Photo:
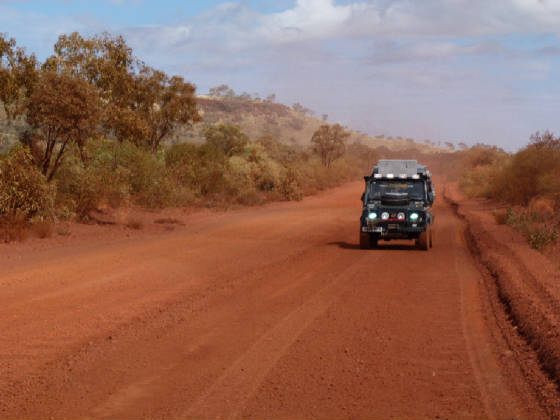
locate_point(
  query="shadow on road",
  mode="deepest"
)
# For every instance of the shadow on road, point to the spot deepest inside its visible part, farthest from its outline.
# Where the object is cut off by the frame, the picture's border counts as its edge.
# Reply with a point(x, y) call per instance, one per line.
point(380, 246)
point(345, 245)
point(400, 247)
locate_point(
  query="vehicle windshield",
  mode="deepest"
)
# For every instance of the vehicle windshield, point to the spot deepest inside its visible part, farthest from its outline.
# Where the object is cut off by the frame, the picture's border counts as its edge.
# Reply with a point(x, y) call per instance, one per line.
point(413, 188)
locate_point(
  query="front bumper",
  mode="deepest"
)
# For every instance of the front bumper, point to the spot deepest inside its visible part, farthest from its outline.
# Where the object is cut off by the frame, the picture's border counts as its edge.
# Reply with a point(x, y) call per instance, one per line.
point(387, 228)
point(394, 227)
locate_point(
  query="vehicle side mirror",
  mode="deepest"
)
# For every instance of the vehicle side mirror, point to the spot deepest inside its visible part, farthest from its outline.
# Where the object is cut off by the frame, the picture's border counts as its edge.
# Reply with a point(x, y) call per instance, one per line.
point(431, 196)
point(363, 196)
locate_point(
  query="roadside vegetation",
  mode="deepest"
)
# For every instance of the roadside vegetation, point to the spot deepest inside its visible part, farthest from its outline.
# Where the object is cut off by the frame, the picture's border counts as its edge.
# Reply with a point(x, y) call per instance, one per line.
point(293, 125)
point(527, 182)
point(96, 129)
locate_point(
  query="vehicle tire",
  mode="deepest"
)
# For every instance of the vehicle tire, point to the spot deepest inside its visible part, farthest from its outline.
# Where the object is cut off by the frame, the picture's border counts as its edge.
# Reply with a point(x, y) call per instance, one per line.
point(365, 240)
point(423, 239)
point(373, 241)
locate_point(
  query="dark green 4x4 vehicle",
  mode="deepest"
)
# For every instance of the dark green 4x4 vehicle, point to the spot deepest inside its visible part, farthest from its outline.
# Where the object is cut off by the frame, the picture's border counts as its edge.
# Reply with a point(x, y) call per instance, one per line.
point(397, 204)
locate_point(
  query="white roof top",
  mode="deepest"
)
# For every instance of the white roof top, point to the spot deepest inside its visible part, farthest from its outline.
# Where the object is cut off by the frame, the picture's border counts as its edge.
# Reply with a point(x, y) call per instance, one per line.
point(397, 167)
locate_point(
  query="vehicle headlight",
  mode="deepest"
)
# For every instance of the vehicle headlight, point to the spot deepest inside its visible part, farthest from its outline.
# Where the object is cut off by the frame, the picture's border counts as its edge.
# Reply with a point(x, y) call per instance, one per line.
point(384, 215)
point(414, 217)
point(400, 216)
point(372, 216)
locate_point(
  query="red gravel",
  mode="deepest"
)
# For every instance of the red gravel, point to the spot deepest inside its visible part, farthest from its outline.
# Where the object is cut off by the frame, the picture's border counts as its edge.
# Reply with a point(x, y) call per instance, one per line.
point(270, 312)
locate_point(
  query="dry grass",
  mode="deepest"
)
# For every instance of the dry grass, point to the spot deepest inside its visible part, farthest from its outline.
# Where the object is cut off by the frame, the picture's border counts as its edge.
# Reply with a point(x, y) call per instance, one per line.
point(250, 198)
point(135, 224)
point(168, 221)
point(42, 229)
point(539, 234)
point(13, 228)
point(500, 216)
point(63, 232)
point(528, 180)
point(115, 200)
point(542, 208)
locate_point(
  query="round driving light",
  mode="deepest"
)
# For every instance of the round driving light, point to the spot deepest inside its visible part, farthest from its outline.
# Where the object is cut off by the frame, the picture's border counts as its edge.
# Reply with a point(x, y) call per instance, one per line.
point(414, 217)
point(400, 216)
point(372, 216)
point(384, 215)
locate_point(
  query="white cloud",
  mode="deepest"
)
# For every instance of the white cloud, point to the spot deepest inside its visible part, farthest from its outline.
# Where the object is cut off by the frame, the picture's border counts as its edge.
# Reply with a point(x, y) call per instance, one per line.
point(309, 19)
point(37, 32)
point(154, 37)
point(459, 69)
point(234, 27)
point(441, 69)
point(544, 11)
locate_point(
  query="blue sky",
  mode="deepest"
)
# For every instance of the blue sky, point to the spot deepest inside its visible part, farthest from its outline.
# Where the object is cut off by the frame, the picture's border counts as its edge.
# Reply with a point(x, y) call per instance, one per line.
point(447, 70)
point(137, 11)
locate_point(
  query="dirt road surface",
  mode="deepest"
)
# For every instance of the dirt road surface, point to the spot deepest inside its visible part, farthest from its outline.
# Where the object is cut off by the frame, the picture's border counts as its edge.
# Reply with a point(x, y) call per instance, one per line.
point(268, 312)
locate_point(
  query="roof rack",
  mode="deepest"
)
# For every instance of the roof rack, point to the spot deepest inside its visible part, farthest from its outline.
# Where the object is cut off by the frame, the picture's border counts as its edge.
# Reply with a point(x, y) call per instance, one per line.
point(400, 169)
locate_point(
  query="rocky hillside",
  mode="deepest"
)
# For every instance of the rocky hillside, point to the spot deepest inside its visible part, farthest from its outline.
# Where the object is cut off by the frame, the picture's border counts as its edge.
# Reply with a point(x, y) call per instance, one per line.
point(261, 117)
point(257, 118)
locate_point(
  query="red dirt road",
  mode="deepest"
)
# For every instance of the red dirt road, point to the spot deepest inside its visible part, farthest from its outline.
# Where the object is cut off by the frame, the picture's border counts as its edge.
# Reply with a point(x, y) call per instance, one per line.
point(267, 312)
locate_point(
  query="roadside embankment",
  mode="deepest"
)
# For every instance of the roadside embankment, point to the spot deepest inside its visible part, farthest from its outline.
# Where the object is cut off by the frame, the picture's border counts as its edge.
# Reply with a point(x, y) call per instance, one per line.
point(528, 284)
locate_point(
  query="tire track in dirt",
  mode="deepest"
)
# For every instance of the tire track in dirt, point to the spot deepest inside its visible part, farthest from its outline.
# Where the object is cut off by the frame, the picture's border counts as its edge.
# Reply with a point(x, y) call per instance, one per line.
point(269, 312)
point(482, 357)
point(524, 307)
point(227, 396)
point(455, 371)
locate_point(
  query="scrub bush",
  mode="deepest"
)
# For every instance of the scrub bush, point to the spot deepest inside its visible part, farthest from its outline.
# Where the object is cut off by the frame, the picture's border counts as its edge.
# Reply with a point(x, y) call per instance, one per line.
point(528, 179)
point(541, 237)
point(43, 229)
point(13, 228)
point(539, 234)
point(24, 191)
point(530, 174)
point(199, 168)
point(290, 186)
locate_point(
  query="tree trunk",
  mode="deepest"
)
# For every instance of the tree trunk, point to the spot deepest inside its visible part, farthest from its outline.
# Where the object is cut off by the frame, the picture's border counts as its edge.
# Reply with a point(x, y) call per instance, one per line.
point(8, 115)
point(57, 161)
point(47, 157)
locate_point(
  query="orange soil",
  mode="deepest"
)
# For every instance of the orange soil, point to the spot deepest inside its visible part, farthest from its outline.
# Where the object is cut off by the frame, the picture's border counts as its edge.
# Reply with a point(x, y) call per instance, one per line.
point(269, 312)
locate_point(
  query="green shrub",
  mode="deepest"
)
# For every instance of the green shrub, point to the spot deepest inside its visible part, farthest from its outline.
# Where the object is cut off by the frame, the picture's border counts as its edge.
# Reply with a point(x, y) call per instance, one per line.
point(24, 191)
point(484, 181)
point(265, 173)
point(13, 228)
point(80, 189)
point(289, 187)
point(517, 179)
point(249, 197)
point(252, 170)
point(114, 173)
point(199, 169)
point(538, 235)
point(482, 155)
point(132, 167)
point(541, 236)
point(228, 138)
point(533, 172)
point(227, 170)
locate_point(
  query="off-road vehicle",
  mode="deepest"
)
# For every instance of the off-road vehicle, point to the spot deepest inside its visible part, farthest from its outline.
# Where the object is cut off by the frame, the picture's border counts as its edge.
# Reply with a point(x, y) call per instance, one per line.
point(397, 204)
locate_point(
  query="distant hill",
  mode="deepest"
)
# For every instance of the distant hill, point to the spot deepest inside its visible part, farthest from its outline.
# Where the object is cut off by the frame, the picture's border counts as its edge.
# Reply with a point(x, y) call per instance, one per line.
point(257, 118)
point(261, 117)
